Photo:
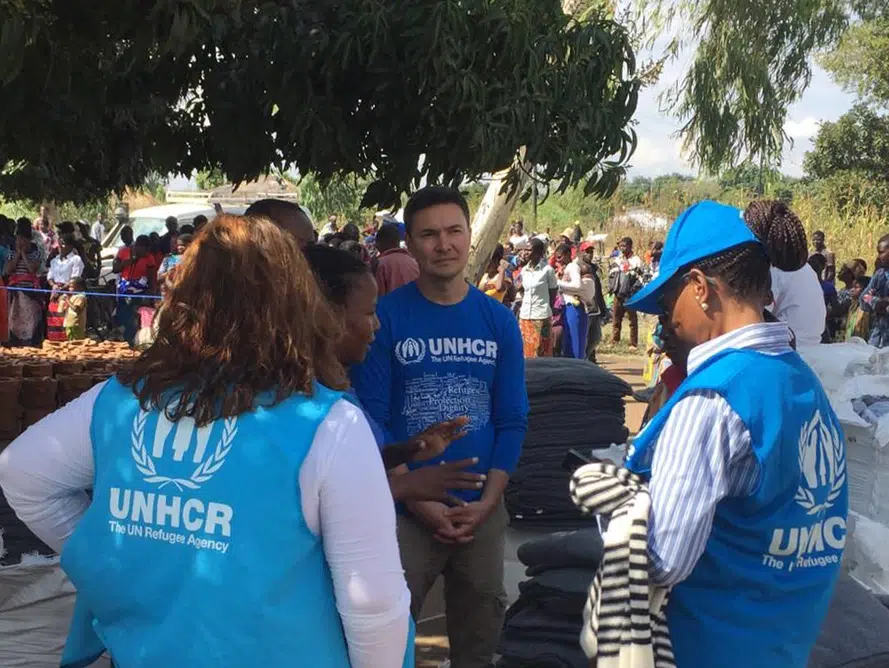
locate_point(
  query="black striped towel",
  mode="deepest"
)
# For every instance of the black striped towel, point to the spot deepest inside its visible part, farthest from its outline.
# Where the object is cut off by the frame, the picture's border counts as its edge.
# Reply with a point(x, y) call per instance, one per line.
point(624, 621)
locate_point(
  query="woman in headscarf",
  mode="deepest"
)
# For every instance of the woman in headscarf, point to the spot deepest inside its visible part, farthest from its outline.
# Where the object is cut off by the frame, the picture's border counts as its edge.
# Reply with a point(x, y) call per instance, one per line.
point(746, 461)
point(246, 518)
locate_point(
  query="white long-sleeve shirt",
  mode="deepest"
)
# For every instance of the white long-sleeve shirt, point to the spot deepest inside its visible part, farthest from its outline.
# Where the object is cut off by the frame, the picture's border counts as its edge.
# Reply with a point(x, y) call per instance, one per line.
point(573, 285)
point(345, 498)
point(702, 455)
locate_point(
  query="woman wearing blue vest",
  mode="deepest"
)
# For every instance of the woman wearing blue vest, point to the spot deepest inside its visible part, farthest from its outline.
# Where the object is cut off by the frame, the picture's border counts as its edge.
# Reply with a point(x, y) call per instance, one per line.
point(240, 513)
point(746, 460)
point(350, 287)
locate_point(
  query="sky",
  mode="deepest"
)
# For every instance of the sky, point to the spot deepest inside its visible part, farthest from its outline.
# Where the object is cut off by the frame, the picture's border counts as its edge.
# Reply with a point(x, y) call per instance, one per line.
point(659, 150)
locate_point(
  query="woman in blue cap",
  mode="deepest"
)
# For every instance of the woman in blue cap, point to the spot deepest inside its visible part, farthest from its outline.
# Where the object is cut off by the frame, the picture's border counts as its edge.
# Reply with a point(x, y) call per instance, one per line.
point(746, 460)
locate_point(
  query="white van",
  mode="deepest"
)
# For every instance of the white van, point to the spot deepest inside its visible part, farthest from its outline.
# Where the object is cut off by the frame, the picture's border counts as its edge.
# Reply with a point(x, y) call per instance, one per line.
point(153, 219)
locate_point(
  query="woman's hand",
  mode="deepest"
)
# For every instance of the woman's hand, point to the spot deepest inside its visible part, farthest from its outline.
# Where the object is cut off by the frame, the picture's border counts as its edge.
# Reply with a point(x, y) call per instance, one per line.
point(435, 483)
point(435, 439)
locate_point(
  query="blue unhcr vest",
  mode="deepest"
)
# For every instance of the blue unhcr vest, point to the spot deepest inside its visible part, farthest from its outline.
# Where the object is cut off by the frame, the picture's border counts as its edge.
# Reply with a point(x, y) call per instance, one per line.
point(760, 591)
point(194, 551)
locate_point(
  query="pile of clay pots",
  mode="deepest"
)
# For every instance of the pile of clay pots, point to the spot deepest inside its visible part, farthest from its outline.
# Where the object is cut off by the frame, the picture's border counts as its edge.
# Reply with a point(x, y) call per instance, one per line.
point(36, 381)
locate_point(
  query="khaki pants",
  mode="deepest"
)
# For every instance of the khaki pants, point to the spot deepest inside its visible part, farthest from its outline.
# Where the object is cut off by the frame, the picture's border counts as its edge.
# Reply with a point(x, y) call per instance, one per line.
point(475, 600)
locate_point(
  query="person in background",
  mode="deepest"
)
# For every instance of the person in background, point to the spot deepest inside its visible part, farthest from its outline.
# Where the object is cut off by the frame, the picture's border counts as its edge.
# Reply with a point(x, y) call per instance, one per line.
point(539, 287)
point(347, 282)
point(517, 233)
point(654, 261)
point(200, 221)
point(126, 237)
point(857, 322)
point(830, 261)
point(168, 240)
point(64, 267)
point(497, 278)
point(351, 233)
point(395, 266)
point(732, 482)
point(797, 295)
point(445, 350)
point(138, 275)
point(7, 249)
point(154, 241)
point(291, 470)
point(833, 322)
point(98, 229)
point(25, 310)
point(624, 279)
point(875, 297)
point(169, 263)
point(47, 234)
point(579, 295)
point(598, 309)
point(286, 215)
point(578, 233)
point(92, 252)
point(331, 227)
point(859, 266)
point(74, 306)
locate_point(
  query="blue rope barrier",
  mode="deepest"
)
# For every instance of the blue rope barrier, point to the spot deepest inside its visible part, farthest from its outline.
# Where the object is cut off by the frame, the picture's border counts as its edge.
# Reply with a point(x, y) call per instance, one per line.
point(112, 295)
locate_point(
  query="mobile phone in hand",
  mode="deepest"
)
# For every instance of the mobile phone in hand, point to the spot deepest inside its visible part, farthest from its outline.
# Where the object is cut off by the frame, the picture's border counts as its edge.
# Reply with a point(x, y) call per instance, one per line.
point(574, 459)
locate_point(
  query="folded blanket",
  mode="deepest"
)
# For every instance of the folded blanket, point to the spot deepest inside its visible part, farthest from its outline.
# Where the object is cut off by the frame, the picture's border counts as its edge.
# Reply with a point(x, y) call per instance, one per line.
point(564, 549)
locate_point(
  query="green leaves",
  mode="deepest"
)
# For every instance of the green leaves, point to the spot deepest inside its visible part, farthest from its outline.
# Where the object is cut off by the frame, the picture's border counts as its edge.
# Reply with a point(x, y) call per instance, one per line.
point(401, 92)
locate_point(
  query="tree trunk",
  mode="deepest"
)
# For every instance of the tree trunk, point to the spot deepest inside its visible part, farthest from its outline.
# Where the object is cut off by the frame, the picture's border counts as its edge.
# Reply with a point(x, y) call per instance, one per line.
point(490, 220)
point(492, 214)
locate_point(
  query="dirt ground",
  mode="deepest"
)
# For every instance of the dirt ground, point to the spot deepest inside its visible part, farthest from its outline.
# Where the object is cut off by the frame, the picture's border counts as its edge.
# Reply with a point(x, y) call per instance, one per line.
point(432, 641)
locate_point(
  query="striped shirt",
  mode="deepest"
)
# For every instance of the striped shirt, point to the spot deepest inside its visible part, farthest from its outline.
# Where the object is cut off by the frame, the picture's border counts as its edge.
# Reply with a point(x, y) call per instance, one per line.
point(702, 455)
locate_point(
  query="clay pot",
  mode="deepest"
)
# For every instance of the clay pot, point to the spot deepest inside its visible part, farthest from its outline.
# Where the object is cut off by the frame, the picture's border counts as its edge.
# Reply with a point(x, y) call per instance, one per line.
point(67, 368)
point(33, 416)
point(10, 389)
point(10, 370)
point(39, 393)
point(79, 382)
point(10, 423)
point(37, 369)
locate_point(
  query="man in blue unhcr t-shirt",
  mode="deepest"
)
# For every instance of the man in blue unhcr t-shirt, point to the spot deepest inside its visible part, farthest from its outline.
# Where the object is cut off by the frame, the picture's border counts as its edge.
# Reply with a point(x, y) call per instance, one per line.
point(446, 350)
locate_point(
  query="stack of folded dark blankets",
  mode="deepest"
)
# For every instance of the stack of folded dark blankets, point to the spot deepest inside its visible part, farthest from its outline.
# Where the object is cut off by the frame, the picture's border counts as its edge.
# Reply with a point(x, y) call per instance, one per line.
point(573, 404)
point(542, 628)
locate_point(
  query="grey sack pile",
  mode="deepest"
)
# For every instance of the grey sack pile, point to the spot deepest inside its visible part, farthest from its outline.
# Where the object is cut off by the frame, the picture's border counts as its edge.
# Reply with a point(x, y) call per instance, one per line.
point(542, 628)
point(573, 404)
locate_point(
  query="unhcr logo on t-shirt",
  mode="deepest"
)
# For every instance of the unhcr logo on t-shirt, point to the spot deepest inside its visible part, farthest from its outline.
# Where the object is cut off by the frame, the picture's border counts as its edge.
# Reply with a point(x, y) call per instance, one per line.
point(446, 349)
point(410, 351)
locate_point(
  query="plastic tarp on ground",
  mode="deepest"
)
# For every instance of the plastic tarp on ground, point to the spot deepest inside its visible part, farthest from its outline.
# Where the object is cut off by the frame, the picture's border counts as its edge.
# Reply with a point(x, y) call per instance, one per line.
point(36, 601)
point(856, 379)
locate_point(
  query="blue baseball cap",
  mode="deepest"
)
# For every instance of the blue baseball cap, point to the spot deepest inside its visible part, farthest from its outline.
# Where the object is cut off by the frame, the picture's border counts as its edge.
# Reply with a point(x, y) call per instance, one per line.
point(702, 230)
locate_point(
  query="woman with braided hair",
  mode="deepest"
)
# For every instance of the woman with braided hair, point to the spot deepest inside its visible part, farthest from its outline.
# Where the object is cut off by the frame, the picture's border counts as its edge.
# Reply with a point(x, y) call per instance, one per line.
point(797, 296)
point(745, 462)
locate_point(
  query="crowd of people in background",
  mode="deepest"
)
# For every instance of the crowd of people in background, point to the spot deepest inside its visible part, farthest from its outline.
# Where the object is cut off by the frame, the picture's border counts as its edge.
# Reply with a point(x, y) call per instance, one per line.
point(561, 289)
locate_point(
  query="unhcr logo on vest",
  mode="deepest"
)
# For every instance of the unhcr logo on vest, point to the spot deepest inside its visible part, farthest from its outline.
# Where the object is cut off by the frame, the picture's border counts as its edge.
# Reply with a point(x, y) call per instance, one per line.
point(178, 458)
point(446, 349)
point(822, 462)
point(184, 430)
